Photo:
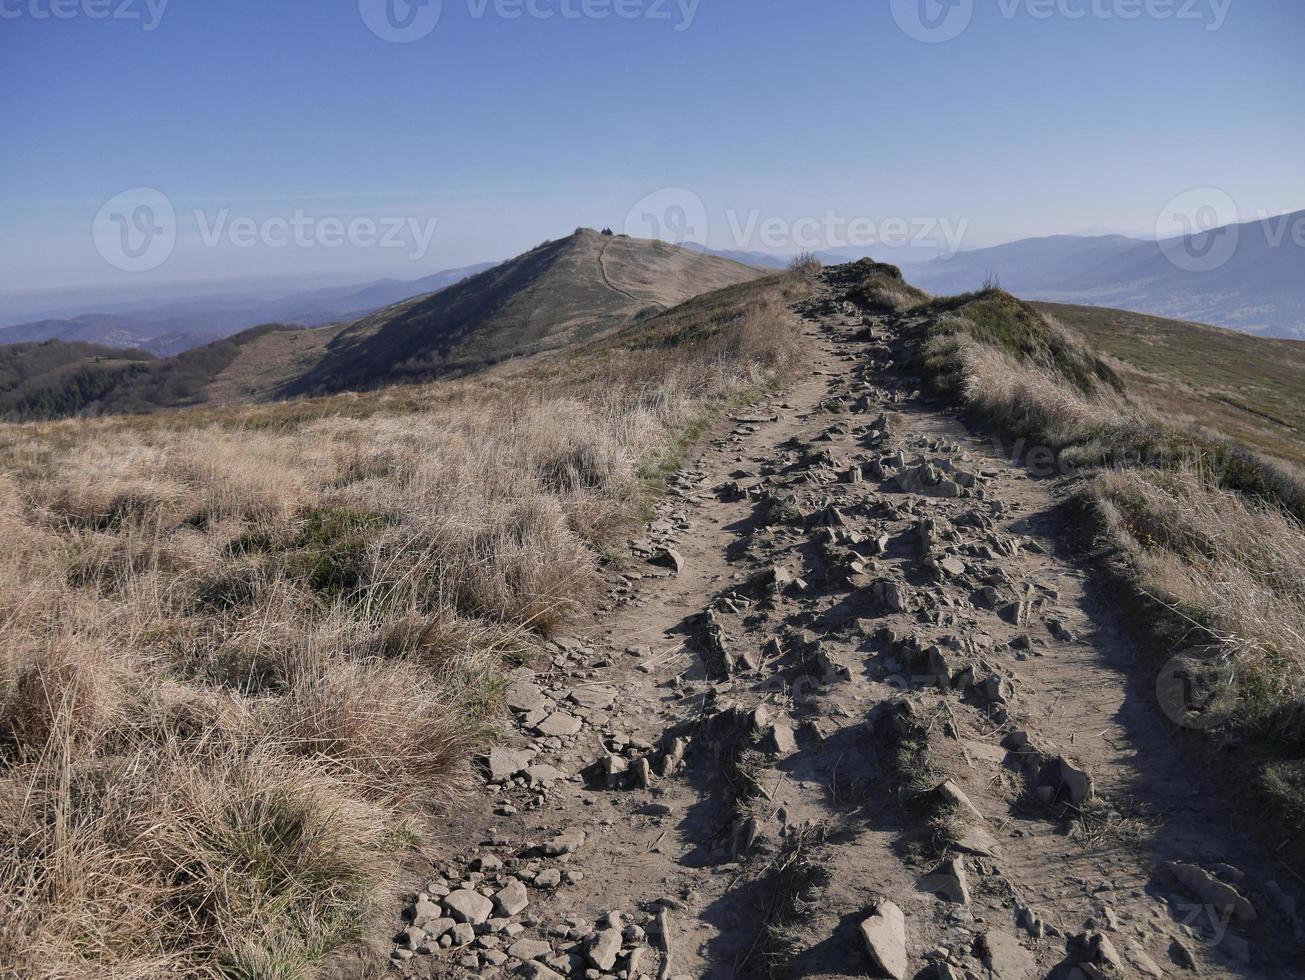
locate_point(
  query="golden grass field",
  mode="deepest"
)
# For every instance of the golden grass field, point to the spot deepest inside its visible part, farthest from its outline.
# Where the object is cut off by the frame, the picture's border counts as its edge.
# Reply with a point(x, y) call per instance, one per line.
point(245, 648)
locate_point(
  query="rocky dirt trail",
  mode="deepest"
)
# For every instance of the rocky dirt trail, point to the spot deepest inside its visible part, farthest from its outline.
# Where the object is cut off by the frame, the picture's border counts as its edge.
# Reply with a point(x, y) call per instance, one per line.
point(850, 712)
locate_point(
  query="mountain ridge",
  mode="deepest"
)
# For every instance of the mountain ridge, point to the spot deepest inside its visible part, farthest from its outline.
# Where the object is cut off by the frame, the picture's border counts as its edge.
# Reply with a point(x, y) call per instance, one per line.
point(1258, 288)
point(572, 289)
point(175, 326)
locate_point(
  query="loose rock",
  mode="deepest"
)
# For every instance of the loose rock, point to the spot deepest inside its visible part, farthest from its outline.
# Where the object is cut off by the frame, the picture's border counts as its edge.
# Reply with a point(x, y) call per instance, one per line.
point(884, 937)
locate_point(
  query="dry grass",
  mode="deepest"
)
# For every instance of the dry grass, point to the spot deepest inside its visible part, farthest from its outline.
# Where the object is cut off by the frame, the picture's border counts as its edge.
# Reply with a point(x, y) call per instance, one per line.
point(241, 649)
point(1231, 566)
point(791, 885)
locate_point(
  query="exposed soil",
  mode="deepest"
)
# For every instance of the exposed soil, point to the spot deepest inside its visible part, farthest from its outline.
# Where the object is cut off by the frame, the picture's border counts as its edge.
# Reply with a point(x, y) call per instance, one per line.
point(892, 688)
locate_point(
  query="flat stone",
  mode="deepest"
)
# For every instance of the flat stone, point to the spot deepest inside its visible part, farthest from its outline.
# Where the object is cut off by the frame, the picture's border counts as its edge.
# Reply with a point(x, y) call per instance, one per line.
point(506, 763)
point(435, 928)
point(529, 949)
point(985, 750)
point(543, 775)
point(1075, 782)
point(1095, 948)
point(511, 899)
point(1211, 890)
point(559, 724)
point(884, 937)
point(525, 696)
point(567, 842)
point(976, 840)
point(1141, 959)
point(537, 971)
point(954, 795)
point(468, 906)
point(424, 911)
point(1004, 957)
point(669, 558)
point(593, 698)
point(949, 881)
point(778, 739)
point(604, 947)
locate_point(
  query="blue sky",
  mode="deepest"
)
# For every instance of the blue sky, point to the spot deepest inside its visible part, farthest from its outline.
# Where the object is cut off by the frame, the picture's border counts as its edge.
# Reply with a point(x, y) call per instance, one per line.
point(504, 131)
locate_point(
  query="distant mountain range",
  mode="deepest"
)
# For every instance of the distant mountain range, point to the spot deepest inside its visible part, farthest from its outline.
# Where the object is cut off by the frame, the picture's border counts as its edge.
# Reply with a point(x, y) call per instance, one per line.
point(1248, 277)
point(1256, 284)
point(174, 327)
point(571, 290)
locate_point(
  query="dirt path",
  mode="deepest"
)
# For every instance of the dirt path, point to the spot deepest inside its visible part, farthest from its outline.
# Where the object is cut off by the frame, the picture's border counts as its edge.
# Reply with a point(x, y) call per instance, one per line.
point(874, 726)
point(607, 280)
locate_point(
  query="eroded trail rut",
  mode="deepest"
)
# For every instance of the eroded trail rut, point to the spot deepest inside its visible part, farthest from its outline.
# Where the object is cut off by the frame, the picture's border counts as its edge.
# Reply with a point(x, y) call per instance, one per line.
point(855, 716)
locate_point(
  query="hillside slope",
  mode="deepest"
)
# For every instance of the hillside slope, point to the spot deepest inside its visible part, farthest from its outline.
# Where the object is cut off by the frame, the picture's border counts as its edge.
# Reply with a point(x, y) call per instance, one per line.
point(37, 380)
point(561, 292)
point(557, 293)
point(168, 328)
point(1248, 388)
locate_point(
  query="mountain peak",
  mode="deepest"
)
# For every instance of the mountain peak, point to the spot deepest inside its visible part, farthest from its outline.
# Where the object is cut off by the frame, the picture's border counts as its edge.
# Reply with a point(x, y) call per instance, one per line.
point(561, 292)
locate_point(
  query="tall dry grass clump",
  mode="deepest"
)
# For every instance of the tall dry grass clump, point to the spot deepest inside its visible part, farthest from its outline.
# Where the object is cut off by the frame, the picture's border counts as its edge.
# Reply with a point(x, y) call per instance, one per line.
point(1230, 566)
point(241, 650)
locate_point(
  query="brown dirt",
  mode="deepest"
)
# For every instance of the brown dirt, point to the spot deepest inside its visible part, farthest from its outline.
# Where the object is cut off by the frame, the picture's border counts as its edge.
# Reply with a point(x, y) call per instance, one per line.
point(1078, 689)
